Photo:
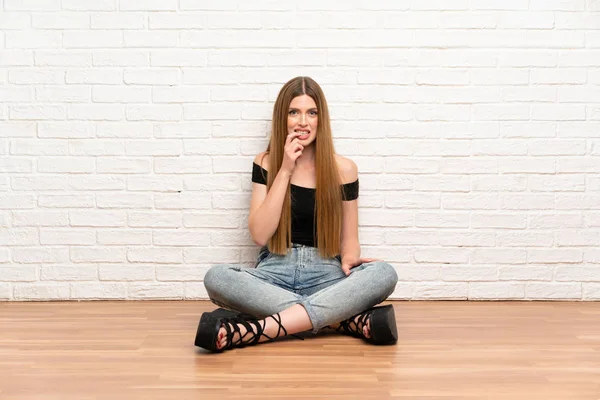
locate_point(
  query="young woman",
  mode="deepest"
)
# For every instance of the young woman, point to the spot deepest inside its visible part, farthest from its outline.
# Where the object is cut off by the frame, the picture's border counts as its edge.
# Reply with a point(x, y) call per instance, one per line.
point(309, 274)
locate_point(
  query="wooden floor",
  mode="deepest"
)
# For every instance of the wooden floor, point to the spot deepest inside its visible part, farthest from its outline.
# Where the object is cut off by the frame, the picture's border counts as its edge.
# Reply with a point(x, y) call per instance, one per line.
point(446, 350)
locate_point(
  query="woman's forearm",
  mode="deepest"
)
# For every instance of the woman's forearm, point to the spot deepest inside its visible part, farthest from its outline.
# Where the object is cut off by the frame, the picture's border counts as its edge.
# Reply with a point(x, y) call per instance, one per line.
point(350, 250)
point(263, 222)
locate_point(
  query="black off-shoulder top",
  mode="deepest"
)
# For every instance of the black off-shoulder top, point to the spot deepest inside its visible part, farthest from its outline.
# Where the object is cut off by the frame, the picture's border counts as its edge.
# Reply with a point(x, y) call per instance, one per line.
point(303, 206)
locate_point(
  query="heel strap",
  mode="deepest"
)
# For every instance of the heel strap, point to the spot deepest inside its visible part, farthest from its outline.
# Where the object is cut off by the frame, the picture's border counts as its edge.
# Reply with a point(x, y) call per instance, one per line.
point(353, 325)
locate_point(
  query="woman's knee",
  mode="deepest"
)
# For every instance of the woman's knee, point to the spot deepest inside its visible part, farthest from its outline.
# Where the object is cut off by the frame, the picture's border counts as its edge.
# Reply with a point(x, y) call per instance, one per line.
point(387, 275)
point(215, 277)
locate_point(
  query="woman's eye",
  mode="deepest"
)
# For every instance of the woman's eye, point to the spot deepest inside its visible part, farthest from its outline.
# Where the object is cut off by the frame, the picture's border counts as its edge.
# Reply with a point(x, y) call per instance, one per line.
point(292, 112)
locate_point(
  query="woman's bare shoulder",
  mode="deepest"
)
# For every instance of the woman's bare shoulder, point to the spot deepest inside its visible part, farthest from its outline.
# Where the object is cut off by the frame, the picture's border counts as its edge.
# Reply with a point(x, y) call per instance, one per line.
point(348, 169)
point(262, 159)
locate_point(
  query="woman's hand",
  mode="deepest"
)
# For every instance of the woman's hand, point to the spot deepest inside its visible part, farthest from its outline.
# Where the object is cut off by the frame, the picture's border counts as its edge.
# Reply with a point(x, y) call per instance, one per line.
point(291, 152)
point(347, 265)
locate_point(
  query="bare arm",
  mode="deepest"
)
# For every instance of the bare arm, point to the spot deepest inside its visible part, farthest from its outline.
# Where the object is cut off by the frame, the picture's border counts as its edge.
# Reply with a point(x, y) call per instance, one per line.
point(350, 246)
point(265, 208)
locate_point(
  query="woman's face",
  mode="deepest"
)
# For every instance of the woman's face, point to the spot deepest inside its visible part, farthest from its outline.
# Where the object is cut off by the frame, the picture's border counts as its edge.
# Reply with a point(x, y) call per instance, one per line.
point(303, 117)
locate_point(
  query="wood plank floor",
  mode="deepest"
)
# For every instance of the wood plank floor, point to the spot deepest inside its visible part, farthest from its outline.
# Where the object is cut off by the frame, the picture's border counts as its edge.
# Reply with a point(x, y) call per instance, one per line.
point(446, 350)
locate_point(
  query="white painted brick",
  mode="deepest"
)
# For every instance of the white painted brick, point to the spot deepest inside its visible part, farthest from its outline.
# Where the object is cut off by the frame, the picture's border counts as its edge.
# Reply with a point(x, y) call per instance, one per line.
point(195, 291)
point(439, 291)
point(17, 94)
point(178, 58)
point(232, 164)
point(560, 76)
point(120, 58)
point(212, 255)
point(153, 76)
point(498, 256)
point(181, 273)
point(592, 219)
point(154, 184)
point(89, 5)
point(148, 5)
point(498, 221)
point(469, 274)
point(15, 20)
point(43, 254)
point(526, 202)
point(193, 130)
point(230, 237)
point(591, 291)
point(39, 147)
point(38, 112)
point(220, 58)
point(506, 183)
point(126, 272)
point(529, 94)
point(181, 94)
point(442, 255)
point(182, 165)
point(518, 129)
point(63, 59)
point(153, 148)
point(66, 201)
point(100, 76)
point(97, 218)
point(156, 291)
point(72, 165)
point(100, 291)
point(410, 238)
point(553, 290)
point(14, 58)
point(111, 94)
point(499, 148)
point(92, 39)
point(6, 291)
point(63, 94)
point(557, 183)
point(525, 239)
point(467, 239)
point(466, 201)
point(111, 20)
point(96, 147)
point(557, 148)
point(123, 237)
point(531, 165)
point(554, 255)
point(124, 129)
point(155, 219)
point(80, 254)
point(233, 201)
point(155, 255)
point(577, 165)
point(149, 39)
point(18, 165)
point(496, 291)
point(529, 273)
point(218, 111)
point(34, 39)
point(161, 112)
point(39, 183)
point(66, 130)
point(555, 220)
point(571, 238)
point(210, 76)
point(21, 273)
point(577, 202)
point(209, 183)
point(67, 236)
point(592, 256)
point(40, 218)
point(42, 291)
point(118, 165)
point(181, 201)
point(571, 20)
point(187, 20)
point(96, 112)
point(69, 273)
point(123, 200)
point(569, 273)
point(402, 165)
point(551, 112)
point(557, 5)
point(211, 220)
point(63, 20)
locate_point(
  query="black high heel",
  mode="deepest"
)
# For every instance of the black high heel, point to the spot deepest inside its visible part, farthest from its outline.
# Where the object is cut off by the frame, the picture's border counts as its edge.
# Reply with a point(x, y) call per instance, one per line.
point(382, 325)
point(210, 324)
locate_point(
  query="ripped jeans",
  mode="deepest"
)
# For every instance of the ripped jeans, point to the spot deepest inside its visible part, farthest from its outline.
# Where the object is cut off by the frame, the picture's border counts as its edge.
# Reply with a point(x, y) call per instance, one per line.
point(303, 277)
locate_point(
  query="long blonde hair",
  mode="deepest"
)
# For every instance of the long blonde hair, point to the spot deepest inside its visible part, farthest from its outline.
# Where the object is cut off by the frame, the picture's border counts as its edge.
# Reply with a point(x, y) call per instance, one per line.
point(328, 196)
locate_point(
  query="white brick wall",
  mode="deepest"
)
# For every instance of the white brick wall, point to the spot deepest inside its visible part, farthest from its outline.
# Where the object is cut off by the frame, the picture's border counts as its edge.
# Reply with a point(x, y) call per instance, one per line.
point(128, 128)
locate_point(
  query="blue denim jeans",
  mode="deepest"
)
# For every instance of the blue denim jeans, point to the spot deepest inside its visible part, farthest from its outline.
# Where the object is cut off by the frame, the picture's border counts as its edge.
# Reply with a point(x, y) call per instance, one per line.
point(303, 277)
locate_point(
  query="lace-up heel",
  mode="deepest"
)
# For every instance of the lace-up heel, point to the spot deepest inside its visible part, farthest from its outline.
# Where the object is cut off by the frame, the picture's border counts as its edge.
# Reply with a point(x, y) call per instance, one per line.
point(382, 325)
point(210, 324)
